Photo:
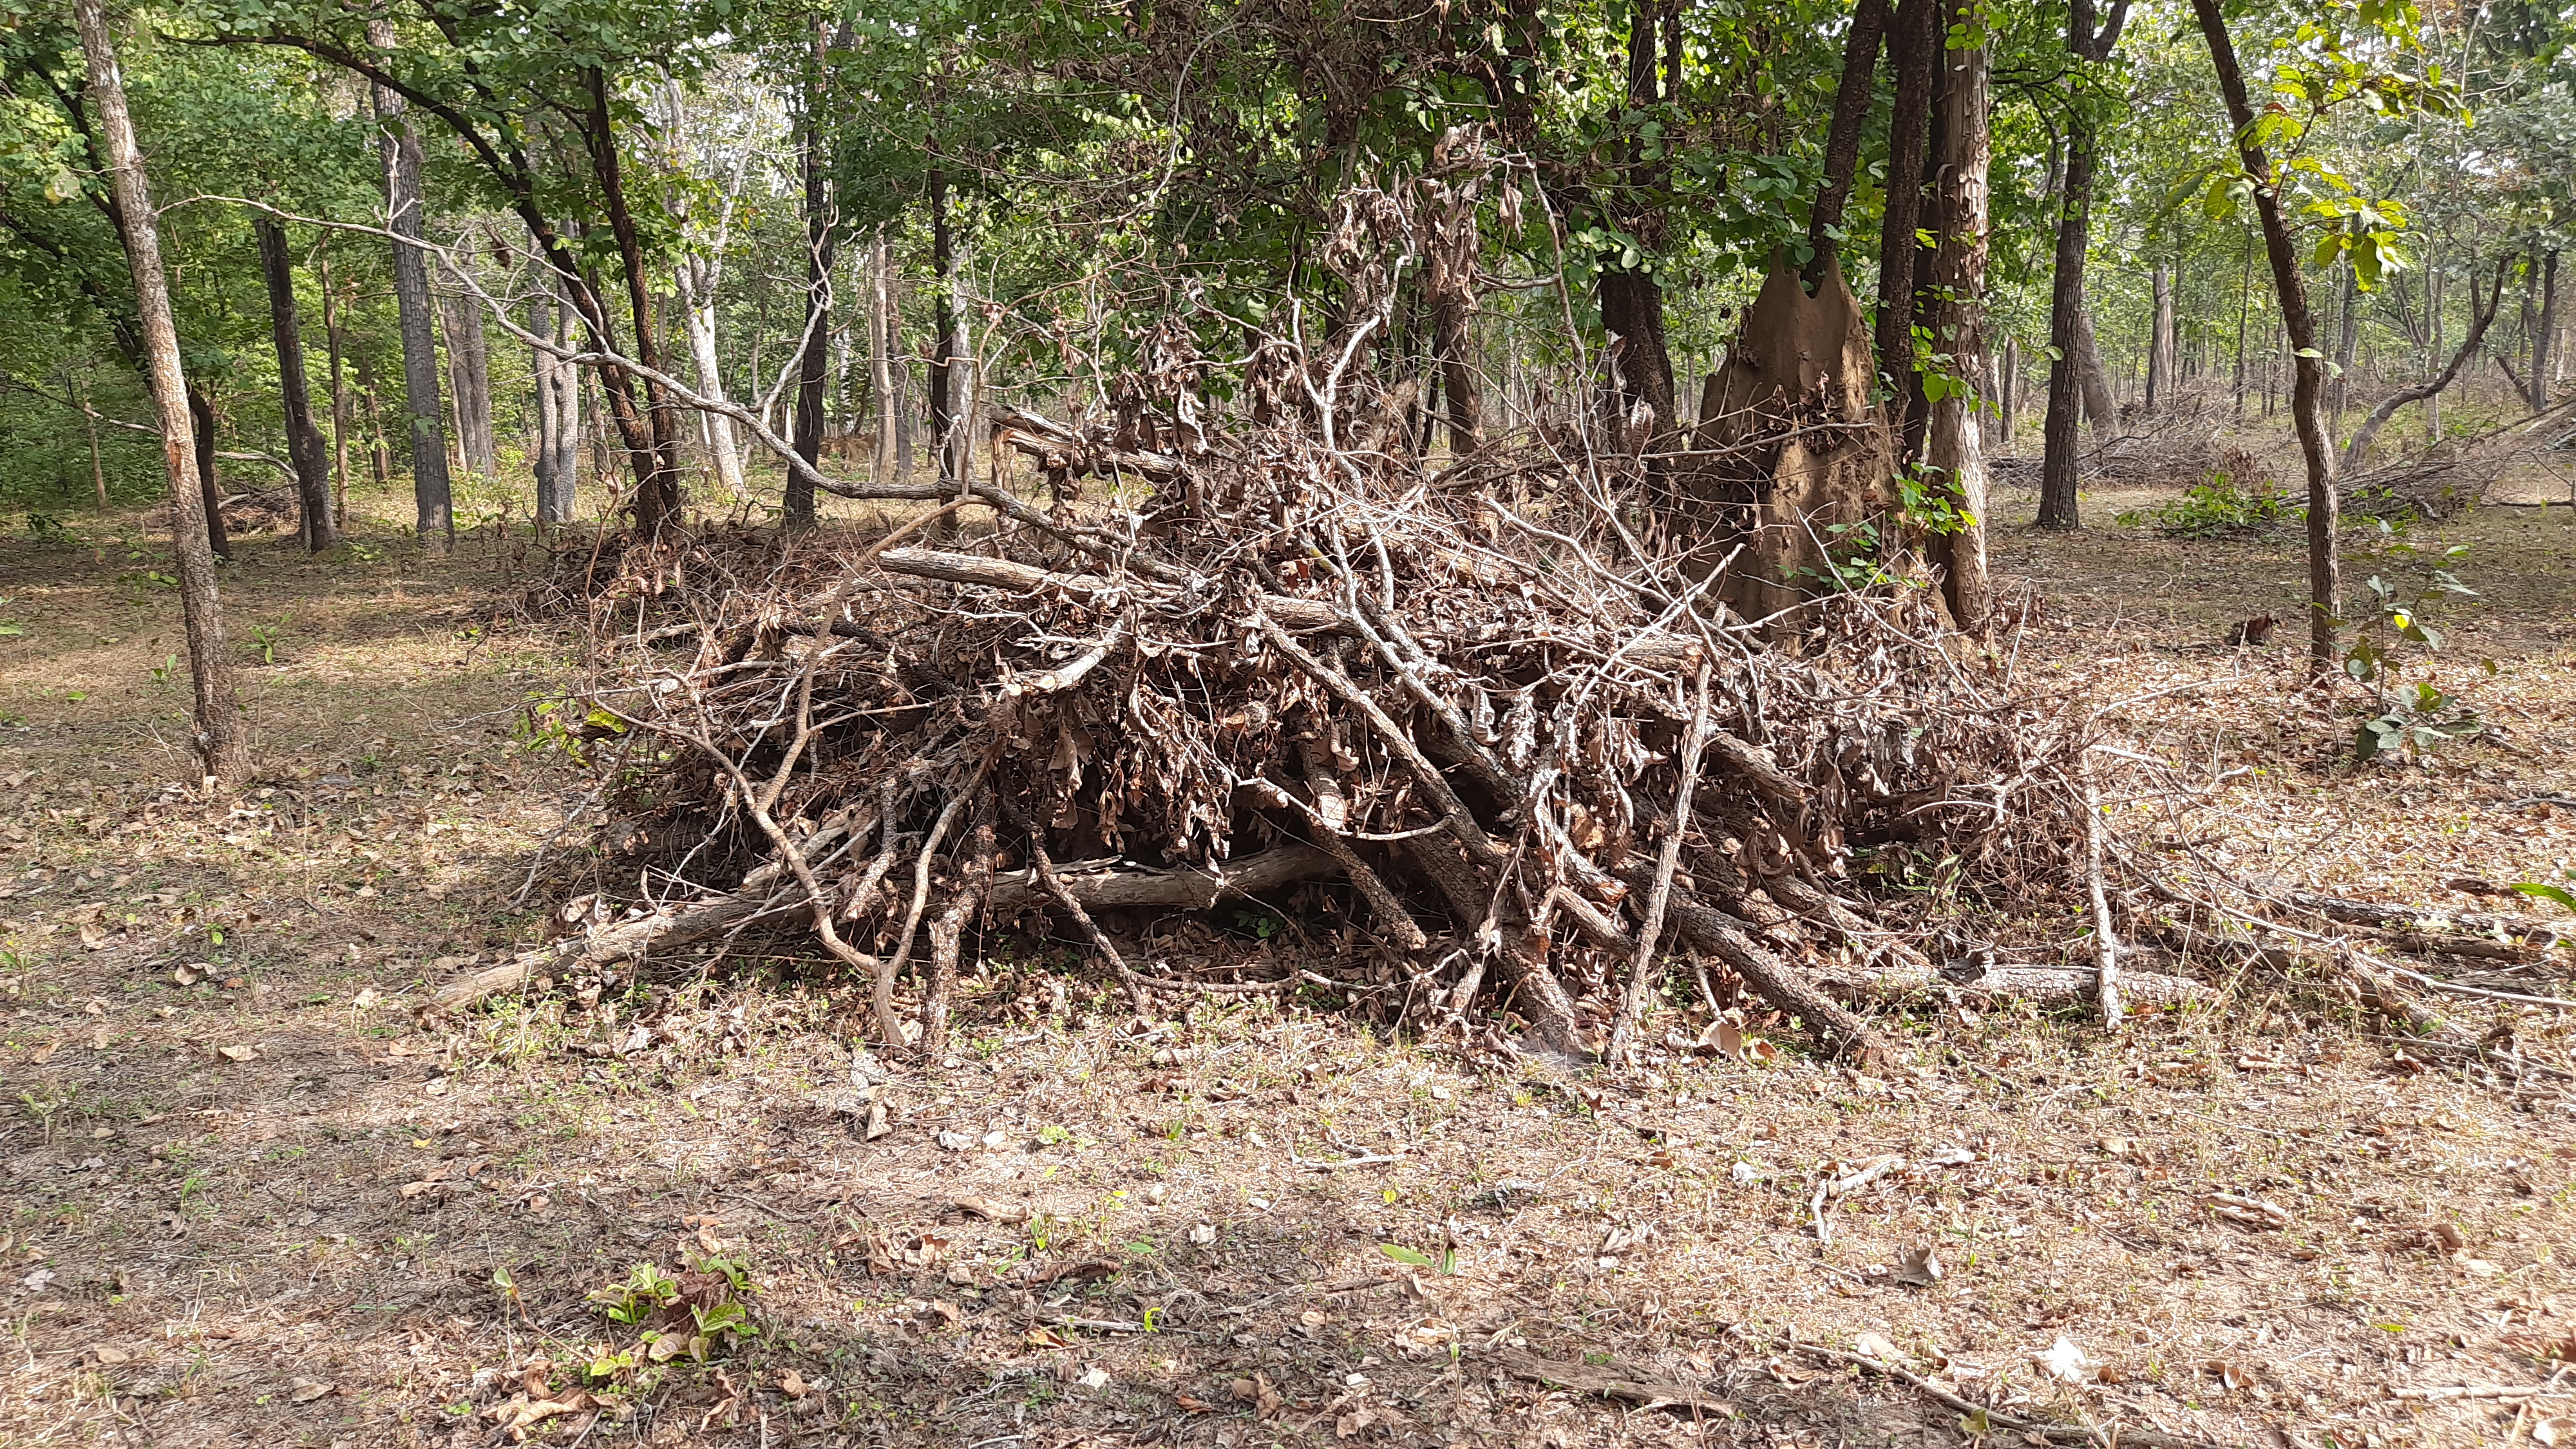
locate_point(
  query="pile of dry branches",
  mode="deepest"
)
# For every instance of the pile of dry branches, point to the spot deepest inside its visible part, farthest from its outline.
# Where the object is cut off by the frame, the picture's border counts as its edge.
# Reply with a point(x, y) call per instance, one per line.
point(1538, 764)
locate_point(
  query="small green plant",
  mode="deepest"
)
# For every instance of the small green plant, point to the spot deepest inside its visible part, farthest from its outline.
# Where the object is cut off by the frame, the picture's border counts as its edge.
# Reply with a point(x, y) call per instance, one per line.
point(10, 628)
point(2217, 508)
point(696, 1312)
point(162, 672)
point(1260, 925)
point(264, 639)
point(365, 552)
point(2413, 718)
point(48, 529)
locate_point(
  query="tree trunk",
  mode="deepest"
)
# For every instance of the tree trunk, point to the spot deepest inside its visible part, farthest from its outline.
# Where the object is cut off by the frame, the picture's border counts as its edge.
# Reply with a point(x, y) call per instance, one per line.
point(222, 751)
point(2433, 324)
point(652, 441)
point(1853, 99)
point(469, 377)
point(814, 353)
point(1632, 299)
point(2010, 386)
point(305, 448)
point(424, 430)
point(558, 454)
point(698, 316)
point(1958, 216)
point(2347, 342)
point(2547, 331)
point(339, 388)
point(1914, 42)
point(380, 461)
point(201, 432)
point(2325, 583)
point(881, 359)
point(957, 453)
point(2160, 342)
point(2100, 409)
point(942, 302)
point(97, 466)
point(2060, 432)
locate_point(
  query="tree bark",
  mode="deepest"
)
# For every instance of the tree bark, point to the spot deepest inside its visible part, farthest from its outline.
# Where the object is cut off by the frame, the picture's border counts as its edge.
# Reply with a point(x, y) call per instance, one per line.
point(2347, 341)
point(305, 448)
point(380, 462)
point(1852, 102)
point(222, 751)
point(815, 354)
point(558, 455)
point(1959, 206)
point(426, 433)
point(2100, 409)
point(2325, 581)
point(1914, 41)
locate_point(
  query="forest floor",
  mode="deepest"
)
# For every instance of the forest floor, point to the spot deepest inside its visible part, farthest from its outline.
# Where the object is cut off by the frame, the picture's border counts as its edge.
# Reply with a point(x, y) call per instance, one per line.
point(249, 1198)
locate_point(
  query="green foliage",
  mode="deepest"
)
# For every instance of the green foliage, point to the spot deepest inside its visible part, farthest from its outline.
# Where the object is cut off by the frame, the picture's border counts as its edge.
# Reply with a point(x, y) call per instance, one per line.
point(2217, 508)
point(2410, 719)
point(2550, 891)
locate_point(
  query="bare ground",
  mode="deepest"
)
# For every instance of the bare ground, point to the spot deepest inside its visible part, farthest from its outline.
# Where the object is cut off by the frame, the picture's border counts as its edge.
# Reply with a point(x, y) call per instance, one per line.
point(249, 1198)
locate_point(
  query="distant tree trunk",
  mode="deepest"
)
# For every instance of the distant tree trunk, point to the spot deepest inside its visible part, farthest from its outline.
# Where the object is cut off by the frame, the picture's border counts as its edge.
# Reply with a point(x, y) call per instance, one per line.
point(2160, 342)
point(1632, 299)
point(2060, 432)
point(2011, 379)
point(881, 358)
point(304, 445)
point(943, 419)
point(2099, 408)
point(469, 376)
point(1914, 42)
point(2325, 582)
point(1958, 208)
point(222, 751)
point(557, 462)
point(2347, 342)
point(89, 415)
point(652, 441)
point(1853, 99)
point(2433, 325)
point(1450, 252)
point(339, 388)
point(815, 353)
point(380, 461)
point(957, 452)
point(2429, 391)
point(2546, 332)
point(425, 431)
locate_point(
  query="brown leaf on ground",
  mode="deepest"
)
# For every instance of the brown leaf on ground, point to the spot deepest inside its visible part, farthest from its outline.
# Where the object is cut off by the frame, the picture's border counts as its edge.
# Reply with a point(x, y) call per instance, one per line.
point(994, 1212)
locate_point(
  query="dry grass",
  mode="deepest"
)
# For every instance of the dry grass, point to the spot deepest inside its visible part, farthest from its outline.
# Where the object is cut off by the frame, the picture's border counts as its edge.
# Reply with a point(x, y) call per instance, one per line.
point(410, 1222)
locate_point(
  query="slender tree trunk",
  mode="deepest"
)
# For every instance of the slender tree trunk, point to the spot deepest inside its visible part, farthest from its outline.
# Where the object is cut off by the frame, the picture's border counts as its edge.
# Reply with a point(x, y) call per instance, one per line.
point(652, 440)
point(881, 360)
point(2547, 331)
point(222, 751)
point(812, 360)
point(202, 432)
point(2060, 438)
point(305, 448)
point(469, 375)
point(424, 430)
point(2160, 342)
point(2325, 583)
point(1958, 208)
point(1914, 50)
point(1853, 98)
point(2347, 342)
point(957, 454)
point(698, 315)
point(339, 388)
point(943, 418)
point(2430, 391)
point(380, 461)
point(2433, 302)
point(89, 416)
point(568, 393)
point(2011, 379)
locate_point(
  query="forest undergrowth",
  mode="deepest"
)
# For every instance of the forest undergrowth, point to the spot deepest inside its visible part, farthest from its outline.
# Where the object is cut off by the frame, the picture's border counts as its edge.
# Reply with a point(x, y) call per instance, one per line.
point(255, 1194)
